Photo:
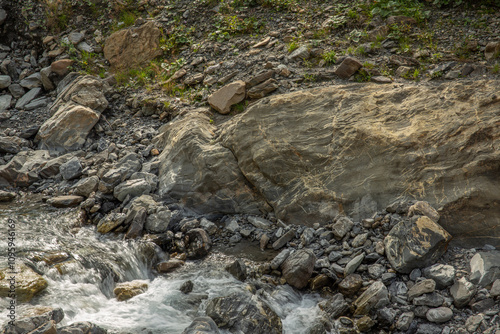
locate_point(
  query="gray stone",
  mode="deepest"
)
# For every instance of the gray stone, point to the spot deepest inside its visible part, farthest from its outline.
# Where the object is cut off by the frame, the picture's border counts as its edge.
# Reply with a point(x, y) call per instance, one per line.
point(240, 313)
point(259, 222)
point(16, 90)
point(376, 270)
point(307, 236)
point(415, 243)
point(75, 37)
point(359, 240)
point(110, 222)
point(36, 103)
point(485, 268)
point(285, 238)
point(425, 286)
point(6, 196)
point(298, 267)
point(3, 16)
point(462, 292)
point(23, 101)
point(202, 325)
point(9, 145)
point(132, 188)
point(5, 81)
point(210, 227)
point(301, 53)
point(263, 89)
point(33, 81)
point(84, 46)
point(21, 170)
point(280, 258)
point(404, 321)
point(376, 296)
point(472, 323)
point(334, 306)
point(150, 178)
point(353, 264)
point(5, 101)
point(443, 275)
point(495, 289)
point(86, 186)
point(47, 83)
point(429, 299)
point(226, 96)
point(238, 269)
point(428, 329)
point(342, 226)
point(71, 169)
point(198, 243)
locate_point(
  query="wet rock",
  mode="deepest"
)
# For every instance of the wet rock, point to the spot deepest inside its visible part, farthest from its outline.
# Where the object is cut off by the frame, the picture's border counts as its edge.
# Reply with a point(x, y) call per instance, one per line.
point(225, 97)
point(298, 268)
point(126, 290)
point(132, 188)
point(334, 306)
point(485, 268)
point(245, 314)
point(462, 292)
point(238, 269)
point(284, 239)
point(375, 296)
point(47, 328)
point(67, 129)
point(202, 325)
point(27, 98)
point(110, 222)
point(82, 328)
point(6, 196)
point(129, 48)
point(263, 89)
point(350, 284)
point(71, 169)
point(416, 243)
point(67, 201)
point(186, 287)
point(86, 186)
point(348, 67)
point(198, 243)
point(27, 283)
point(136, 220)
point(170, 265)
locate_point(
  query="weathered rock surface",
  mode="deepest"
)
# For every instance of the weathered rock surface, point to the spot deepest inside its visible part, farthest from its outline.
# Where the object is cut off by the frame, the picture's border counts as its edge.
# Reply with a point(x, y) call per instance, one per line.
point(128, 48)
point(348, 67)
point(202, 325)
point(245, 314)
point(462, 292)
point(375, 296)
point(65, 201)
point(225, 97)
point(298, 267)
point(308, 151)
point(416, 243)
point(201, 173)
point(21, 171)
point(27, 283)
point(485, 268)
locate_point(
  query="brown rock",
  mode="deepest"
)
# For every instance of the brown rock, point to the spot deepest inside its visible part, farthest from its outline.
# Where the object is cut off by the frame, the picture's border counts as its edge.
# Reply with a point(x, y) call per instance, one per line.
point(260, 78)
point(126, 290)
point(351, 284)
point(60, 67)
point(128, 48)
point(425, 209)
point(263, 89)
point(170, 265)
point(224, 98)
point(65, 201)
point(262, 43)
point(28, 283)
point(492, 50)
point(348, 67)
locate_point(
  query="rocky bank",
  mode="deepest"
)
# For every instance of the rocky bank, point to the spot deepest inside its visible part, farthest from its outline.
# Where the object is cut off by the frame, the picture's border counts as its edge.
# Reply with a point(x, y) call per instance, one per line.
point(368, 192)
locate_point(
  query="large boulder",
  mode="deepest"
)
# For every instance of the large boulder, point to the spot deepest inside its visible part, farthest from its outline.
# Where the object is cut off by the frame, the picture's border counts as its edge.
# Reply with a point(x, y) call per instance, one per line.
point(244, 314)
point(128, 48)
point(298, 267)
point(200, 172)
point(309, 152)
point(27, 283)
point(416, 243)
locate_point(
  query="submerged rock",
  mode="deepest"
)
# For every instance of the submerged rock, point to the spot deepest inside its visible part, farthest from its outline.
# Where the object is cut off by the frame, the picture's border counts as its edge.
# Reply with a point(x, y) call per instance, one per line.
point(202, 325)
point(243, 313)
point(126, 290)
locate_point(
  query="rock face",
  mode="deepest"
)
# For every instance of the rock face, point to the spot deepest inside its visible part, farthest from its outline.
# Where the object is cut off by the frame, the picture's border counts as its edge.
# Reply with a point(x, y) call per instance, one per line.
point(128, 48)
point(417, 243)
point(200, 172)
point(244, 314)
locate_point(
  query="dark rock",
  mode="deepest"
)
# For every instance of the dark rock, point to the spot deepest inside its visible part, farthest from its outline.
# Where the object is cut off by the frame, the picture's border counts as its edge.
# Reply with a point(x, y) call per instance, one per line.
point(485, 268)
point(284, 239)
point(462, 292)
point(198, 243)
point(263, 89)
point(242, 313)
point(202, 325)
point(416, 243)
point(82, 328)
point(348, 67)
point(375, 296)
point(71, 169)
point(298, 268)
point(335, 306)
point(238, 269)
point(186, 287)
point(6, 196)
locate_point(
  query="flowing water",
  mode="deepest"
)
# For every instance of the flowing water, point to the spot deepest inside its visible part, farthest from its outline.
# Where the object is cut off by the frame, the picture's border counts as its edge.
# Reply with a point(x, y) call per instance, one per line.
point(82, 285)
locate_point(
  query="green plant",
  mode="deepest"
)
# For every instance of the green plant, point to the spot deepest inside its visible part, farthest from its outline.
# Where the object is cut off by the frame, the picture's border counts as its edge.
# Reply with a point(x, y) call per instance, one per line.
point(496, 68)
point(363, 76)
point(292, 46)
point(179, 35)
point(227, 26)
point(360, 51)
point(279, 5)
point(330, 57)
point(385, 8)
point(309, 77)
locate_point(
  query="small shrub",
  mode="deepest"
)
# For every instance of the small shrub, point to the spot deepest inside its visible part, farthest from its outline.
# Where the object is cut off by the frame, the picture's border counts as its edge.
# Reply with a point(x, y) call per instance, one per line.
point(330, 57)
